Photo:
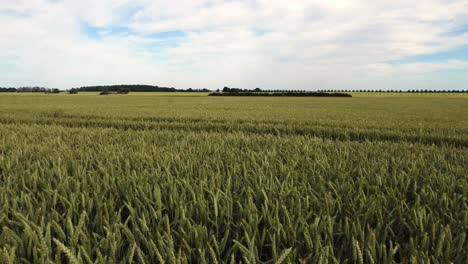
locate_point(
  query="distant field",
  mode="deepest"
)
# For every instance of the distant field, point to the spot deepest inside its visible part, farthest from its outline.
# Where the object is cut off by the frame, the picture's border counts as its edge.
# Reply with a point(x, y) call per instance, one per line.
point(153, 177)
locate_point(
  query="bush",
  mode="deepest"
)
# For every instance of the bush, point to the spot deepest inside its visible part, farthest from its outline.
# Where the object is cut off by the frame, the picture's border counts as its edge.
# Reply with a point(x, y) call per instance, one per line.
point(104, 91)
point(73, 91)
point(123, 91)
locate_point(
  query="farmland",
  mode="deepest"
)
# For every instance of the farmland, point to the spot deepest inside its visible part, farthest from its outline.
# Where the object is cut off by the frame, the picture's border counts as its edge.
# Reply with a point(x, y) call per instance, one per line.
point(151, 178)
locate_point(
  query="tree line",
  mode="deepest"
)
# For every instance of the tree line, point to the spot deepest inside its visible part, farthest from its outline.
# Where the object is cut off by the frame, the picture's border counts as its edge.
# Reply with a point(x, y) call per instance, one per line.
point(123, 88)
point(136, 88)
point(34, 89)
point(153, 88)
point(257, 90)
point(393, 91)
point(287, 94)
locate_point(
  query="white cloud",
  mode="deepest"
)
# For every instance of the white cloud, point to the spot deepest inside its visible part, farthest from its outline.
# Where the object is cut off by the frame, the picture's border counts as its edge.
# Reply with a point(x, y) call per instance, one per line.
point(298, 44)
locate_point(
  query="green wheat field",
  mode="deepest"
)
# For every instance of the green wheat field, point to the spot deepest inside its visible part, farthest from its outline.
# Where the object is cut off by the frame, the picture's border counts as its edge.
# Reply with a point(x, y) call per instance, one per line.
point(163, 178)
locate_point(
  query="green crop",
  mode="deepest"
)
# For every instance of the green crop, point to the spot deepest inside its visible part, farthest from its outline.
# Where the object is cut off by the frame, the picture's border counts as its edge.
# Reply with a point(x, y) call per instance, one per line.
point(148, 179)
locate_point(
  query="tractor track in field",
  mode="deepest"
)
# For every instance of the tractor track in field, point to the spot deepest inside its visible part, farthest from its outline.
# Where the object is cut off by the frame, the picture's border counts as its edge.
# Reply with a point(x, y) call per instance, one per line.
point(324, 132)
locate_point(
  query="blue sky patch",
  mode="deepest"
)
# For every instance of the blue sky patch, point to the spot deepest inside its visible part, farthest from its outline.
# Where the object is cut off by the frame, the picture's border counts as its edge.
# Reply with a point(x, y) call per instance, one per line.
point(261, 31)
point(457, 54)
point(458, 31)
point(98, 33)
point(14, 13)
point(160, 46)
point(164, 40)
point(168, 35)
point(90, 31)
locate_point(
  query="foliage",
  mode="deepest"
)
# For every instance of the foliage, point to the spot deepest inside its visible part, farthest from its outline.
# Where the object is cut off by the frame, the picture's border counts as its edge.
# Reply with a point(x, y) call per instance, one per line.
point(73, 91)
point(148, 179)
point(288, 94)
point(34, 89)
point(53, 91)
point(123, 90)
point(104, 91)
point(258, 90)
point(138, 88)
point(392, 91)
point(7, 90)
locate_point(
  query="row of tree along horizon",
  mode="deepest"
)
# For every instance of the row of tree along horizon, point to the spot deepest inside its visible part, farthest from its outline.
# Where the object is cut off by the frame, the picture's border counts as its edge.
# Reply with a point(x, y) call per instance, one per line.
point(153, 88)
point(29, 90)
point(109, 88)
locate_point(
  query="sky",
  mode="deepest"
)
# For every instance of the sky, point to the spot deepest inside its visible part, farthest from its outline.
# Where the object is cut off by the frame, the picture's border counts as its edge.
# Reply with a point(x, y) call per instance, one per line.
point(271, 44)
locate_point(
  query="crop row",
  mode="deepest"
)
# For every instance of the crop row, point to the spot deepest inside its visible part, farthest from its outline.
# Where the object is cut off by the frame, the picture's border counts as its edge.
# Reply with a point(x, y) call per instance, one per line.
point(447, 136)
point(81, 194)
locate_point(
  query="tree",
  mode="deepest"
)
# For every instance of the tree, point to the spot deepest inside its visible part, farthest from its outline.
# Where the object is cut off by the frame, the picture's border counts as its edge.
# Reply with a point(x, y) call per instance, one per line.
point(104, 91)
point(123, 91)
point(73, 91)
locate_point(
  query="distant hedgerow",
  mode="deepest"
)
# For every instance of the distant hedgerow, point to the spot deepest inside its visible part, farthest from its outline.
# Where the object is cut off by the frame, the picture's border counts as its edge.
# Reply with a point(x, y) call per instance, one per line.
point(286, 94)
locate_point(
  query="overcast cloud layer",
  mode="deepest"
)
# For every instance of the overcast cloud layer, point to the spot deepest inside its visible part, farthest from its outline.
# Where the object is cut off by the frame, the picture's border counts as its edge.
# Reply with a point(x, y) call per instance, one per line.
point(273, 44)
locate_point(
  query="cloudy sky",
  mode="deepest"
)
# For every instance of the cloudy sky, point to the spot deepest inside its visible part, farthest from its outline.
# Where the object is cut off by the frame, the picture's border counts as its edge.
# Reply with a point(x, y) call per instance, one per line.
point(273, 44)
